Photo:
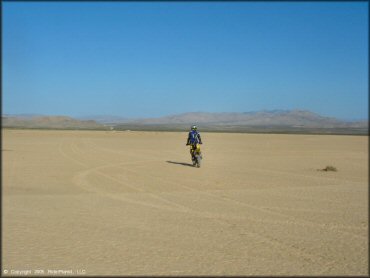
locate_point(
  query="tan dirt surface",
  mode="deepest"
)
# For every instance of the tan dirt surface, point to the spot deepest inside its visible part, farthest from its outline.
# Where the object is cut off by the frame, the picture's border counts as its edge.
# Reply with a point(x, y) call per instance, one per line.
point(130, 203)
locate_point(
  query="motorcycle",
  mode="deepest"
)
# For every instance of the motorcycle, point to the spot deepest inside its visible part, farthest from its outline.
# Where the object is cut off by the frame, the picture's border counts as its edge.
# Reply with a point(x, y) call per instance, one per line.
point(196, 155)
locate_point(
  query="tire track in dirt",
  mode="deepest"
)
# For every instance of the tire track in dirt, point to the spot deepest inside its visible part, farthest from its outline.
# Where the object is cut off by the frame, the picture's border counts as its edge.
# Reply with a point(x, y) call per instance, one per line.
point(293, 220)
point(221, 219)
point(300, 198)
point(94, 146)
point(274, 242)
point(81, 180)
point(74, 150)
point(69, 157)
point(288, 218)
point(82, 176)
point(224, 220)
point(155, 196)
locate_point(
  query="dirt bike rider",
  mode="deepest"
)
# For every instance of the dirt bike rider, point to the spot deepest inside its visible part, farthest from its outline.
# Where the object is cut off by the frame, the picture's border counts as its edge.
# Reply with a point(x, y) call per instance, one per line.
point(193, 139)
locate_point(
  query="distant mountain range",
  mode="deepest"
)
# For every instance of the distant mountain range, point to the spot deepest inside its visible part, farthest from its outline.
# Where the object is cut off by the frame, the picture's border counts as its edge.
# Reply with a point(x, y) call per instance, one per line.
point(258, 118)
point(106, 119)
point(47, 122)
point(273, 119)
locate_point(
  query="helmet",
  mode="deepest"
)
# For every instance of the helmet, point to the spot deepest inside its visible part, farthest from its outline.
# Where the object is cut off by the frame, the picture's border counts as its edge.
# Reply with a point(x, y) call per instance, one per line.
point(194, 127)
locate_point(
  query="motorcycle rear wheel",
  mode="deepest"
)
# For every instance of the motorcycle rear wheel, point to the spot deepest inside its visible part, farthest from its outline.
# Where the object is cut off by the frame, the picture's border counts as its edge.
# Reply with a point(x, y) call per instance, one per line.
point(198, 160)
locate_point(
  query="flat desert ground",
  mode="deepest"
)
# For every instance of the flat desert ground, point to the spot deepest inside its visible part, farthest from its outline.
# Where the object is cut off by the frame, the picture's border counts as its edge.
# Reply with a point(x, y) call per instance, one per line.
point(129, 203)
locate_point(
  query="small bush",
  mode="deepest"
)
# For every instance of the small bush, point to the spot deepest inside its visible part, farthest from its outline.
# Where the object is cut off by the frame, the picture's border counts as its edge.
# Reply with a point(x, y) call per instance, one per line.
point(329, 168)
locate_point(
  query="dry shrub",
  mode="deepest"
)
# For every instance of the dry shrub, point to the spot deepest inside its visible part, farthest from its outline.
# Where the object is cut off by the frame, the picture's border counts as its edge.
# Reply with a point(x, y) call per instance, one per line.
point(329, 168)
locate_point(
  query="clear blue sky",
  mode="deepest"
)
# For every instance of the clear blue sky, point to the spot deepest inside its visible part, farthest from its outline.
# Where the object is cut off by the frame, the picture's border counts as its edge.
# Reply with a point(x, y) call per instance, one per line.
point(153, 59)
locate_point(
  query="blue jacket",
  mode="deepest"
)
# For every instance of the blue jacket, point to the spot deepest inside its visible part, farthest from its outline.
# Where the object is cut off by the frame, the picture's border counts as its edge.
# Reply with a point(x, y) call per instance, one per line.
point(194, 138)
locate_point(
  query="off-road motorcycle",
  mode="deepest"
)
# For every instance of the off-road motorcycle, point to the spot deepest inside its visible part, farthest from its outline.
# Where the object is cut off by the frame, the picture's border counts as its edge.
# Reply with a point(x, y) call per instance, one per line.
point(196, 155)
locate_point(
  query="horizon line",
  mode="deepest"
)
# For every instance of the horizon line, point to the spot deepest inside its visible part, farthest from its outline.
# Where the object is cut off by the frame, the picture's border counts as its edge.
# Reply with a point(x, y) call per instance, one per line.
point(173, 114)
